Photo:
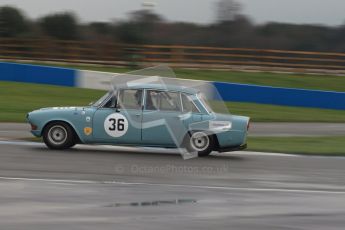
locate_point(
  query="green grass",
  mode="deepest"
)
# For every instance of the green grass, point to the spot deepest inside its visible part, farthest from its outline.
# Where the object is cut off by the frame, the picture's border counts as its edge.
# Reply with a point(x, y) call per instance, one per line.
point(306, 81)
point(273, 113)
point(319, 82)
point(327, 146)
point(17, 99)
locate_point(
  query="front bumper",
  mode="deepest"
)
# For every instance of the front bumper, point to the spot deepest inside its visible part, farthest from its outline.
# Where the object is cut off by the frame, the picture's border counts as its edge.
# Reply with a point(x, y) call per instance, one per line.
point(36, 133)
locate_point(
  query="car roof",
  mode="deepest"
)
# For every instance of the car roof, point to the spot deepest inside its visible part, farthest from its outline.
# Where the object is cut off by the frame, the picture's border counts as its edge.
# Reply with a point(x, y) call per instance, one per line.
point(178, 88)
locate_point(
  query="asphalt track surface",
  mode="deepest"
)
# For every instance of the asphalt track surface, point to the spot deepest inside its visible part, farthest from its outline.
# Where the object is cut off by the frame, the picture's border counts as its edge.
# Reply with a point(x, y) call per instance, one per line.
point(99, 187)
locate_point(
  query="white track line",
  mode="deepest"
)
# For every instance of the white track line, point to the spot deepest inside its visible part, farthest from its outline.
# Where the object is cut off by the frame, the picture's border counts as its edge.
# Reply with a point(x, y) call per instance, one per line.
point(248, 189)
point(21, 143)
point(11, 131)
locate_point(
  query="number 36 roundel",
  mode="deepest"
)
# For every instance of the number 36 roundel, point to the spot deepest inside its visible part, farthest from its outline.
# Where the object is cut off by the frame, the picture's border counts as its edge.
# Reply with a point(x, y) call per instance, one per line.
point(116, 125)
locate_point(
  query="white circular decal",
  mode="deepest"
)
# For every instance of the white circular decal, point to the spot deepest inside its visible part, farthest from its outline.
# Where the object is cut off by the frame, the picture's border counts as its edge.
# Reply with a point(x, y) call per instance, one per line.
point(116, 125)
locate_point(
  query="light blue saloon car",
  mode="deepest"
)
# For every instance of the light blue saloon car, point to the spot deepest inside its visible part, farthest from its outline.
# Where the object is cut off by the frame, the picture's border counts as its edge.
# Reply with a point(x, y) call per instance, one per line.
point(143, 115)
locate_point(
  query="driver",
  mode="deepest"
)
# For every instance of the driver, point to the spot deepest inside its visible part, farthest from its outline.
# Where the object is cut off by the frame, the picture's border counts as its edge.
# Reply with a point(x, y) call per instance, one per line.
point(138, 97)
point(149, 100)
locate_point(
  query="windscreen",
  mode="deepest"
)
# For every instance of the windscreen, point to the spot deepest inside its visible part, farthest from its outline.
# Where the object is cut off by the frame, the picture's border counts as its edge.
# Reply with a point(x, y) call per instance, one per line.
point(100, 101)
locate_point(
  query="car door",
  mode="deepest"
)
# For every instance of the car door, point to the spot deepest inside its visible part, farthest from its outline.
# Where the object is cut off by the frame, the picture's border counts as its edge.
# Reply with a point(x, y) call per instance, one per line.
point(162, 118)
point(120, 124)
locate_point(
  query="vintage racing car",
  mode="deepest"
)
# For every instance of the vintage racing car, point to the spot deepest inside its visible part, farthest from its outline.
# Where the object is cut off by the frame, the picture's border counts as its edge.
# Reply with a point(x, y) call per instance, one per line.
point(143, 115)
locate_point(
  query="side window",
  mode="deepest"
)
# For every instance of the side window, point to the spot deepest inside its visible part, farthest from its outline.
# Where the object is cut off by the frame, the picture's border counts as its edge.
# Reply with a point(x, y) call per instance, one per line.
point(151, 102)
point(130, 99)
point(188, 105)
point(162, 100)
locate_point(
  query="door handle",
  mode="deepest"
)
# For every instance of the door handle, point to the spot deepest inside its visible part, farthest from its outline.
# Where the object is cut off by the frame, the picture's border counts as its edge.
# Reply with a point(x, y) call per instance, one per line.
point(183, 116)
point(179, 117)
point(138, 114)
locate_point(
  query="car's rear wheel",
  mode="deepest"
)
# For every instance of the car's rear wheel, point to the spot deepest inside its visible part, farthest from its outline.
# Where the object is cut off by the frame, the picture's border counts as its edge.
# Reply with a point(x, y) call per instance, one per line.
point(59, 135)
point(201, 143)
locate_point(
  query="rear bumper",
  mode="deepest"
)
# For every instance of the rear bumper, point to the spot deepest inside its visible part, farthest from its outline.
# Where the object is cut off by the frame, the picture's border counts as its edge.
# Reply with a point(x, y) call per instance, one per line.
point(233, 148)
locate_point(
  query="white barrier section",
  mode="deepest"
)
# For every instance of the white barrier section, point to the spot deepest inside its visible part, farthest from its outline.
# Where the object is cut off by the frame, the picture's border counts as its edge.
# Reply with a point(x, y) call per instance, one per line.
point(94, 80)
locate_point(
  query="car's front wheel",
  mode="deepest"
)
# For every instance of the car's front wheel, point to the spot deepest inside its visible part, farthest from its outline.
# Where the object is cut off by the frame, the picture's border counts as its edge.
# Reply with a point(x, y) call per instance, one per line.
point(58, 135)
point(201, 143)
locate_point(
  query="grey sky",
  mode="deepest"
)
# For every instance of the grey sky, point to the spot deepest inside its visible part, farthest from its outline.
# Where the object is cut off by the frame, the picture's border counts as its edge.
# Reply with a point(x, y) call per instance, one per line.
point(329, 12)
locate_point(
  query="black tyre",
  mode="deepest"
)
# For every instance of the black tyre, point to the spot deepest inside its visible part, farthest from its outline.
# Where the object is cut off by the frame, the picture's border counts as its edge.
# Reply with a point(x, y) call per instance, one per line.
point(59, 135)
point(200, 142)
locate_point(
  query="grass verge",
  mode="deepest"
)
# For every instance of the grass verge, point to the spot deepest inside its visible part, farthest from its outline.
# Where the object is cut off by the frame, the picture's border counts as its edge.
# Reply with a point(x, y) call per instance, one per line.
point(326, 146)
point(17, 99)
point(274, 113)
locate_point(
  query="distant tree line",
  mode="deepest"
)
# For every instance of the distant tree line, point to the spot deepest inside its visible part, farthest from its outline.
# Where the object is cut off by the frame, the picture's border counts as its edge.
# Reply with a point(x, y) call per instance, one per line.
point(146, 27)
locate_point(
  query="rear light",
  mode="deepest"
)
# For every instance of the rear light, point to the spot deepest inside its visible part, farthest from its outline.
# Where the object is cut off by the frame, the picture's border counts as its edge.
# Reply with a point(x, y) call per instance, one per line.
point(248, 125)
point(33, 127)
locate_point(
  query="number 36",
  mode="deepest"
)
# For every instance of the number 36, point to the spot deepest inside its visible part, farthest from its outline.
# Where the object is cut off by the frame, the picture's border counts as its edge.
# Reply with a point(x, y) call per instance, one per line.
point(117, 123)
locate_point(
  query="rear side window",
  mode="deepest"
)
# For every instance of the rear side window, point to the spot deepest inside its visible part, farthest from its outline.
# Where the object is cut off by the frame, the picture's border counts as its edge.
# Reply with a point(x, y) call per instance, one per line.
point(188, 105)
point(163, 100)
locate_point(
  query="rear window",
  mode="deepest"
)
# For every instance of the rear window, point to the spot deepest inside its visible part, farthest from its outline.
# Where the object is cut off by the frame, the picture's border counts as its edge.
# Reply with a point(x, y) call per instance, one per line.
point(188, 105)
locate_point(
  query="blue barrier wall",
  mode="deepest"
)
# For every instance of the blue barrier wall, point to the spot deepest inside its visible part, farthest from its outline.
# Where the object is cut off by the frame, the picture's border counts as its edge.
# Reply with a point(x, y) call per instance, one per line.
point(228, 91)
point(37, 74)
point(281, 96)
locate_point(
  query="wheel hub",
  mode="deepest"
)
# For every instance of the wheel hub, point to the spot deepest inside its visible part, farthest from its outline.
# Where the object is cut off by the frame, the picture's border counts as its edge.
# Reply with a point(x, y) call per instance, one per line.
point(57, 135)
point(200, 141)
